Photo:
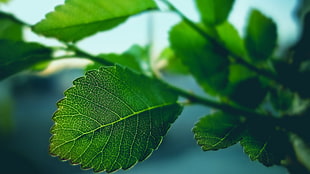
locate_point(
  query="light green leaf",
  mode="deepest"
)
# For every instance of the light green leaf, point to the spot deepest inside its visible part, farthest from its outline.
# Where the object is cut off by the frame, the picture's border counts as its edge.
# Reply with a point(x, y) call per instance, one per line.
point(4, 1)
point(10, 28)
point(16, 56)
point(169, 62)
point(207, 64)
point(231, 39)
point(261, 36)
point(135, 58)
point(214, 12)
point(217, 131)
point(77, 19)
point(111, 119)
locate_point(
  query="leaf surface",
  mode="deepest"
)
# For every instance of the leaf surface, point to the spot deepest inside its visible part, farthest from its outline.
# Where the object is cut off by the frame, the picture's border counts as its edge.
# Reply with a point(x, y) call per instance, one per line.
point(208, 65)
point(214, 12)
point(16, 56)
point(10, 28)
point(111, 119)
point(261, 36)
point(77, 19)
point(268, 147)
point(217, 131)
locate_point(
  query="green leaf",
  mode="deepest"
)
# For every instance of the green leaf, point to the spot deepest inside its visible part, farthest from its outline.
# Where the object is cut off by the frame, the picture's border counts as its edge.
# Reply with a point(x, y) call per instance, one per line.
point(208, 65)
point(231, 39)
point(265, 144)
point(4, 1)
point(302, 47)
point(16, 56)
point(111, 119)
point(77, 19)
point(135, 58)
point(249, 92)
point(261, 36)
point(218, 131)
point(214, 12)
point(10, 27)
point(169, 62)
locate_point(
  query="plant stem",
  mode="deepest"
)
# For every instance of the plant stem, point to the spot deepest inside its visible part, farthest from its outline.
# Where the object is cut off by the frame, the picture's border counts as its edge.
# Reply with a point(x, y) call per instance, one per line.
point(214, 104)
point(81, 53)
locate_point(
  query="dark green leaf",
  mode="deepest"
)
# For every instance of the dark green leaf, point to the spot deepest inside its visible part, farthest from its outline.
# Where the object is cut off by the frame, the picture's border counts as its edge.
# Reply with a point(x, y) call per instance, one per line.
point(282, 100)
point(214, 12)
point(111, 119)
point(77, 19)
point(207, 64)
point(301, 50)
point(249, 93)
point(16, 56)
point(265, 144)
point(217, 131)
point(10, 28)
point(261, 36)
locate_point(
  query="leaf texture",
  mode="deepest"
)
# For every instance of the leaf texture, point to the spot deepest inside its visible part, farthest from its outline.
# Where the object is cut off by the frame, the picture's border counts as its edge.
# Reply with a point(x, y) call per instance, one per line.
point(77, 19)
point(218, 131)
point(111, 119)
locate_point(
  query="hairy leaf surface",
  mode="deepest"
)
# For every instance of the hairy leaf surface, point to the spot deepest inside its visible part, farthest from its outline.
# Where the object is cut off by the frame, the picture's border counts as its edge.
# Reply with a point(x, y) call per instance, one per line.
point(217, 131)
point(16, 56)
point(111, 119)
point(261, 36)
point(77, 19)
point(214, 12)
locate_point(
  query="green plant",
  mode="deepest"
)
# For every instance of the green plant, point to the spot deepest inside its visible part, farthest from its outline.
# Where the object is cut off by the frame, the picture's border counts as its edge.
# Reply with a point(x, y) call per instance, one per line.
point(118, 113)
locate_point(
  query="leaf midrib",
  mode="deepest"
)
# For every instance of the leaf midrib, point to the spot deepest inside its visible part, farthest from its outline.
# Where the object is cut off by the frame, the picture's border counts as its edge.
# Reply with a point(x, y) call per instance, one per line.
point(114, 122)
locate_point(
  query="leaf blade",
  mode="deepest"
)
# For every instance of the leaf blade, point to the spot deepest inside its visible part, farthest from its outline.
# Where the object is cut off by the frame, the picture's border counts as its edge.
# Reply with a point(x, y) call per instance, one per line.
point(218, 131)
point(261, 36)
point(21, 55)
point(206, 63)
point(214, 12)
point(77, 19)
point(113, 119)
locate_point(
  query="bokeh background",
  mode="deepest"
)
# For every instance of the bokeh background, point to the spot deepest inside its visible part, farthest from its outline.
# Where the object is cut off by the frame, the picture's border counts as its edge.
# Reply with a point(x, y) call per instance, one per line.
point(28, 101)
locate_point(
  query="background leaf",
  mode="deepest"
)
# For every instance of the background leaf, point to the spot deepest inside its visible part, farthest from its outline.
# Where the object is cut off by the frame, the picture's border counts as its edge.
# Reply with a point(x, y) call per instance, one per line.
point(16, 56)
point(217, 131)
point(135, 58)
point(77, 19)
point(112, 118)
point(265, 144)
point(214, 12)
point(261, 36)
point(10, 28)
point(208, 65)
point(231, 39)
point(168, 61)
